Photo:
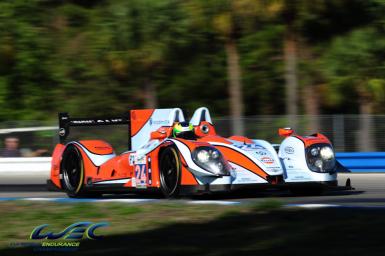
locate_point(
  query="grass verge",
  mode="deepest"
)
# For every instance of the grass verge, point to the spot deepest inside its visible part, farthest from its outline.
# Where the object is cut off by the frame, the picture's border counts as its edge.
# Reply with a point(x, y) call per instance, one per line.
point(176, 228)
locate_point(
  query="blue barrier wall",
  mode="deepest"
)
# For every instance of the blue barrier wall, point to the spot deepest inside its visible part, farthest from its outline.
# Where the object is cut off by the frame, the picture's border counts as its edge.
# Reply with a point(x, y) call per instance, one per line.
point(362, 161)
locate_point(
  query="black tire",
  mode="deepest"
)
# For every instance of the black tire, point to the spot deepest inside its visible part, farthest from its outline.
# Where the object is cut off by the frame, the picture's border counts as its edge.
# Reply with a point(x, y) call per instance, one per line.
point(72, 171)
point(169, 172)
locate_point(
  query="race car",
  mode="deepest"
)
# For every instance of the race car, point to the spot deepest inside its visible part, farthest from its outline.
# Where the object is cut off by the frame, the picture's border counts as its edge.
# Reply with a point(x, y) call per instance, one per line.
point(167, 154)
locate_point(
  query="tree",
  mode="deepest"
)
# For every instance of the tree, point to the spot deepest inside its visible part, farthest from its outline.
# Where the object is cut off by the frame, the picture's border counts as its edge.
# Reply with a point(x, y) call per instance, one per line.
point(295, 15)
point(229, 19)
point(355, 62)
point(223, 23)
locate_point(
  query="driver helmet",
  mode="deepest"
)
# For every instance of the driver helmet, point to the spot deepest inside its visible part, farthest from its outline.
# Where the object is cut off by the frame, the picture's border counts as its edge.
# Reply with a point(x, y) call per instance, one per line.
point(182, 129)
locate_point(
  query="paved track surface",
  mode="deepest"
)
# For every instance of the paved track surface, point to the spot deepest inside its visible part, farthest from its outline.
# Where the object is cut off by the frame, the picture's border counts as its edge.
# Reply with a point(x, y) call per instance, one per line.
point(369, 192)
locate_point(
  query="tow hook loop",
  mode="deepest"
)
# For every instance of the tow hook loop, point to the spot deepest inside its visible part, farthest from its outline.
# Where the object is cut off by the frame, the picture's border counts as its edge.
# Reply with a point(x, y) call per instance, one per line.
point(348, 183)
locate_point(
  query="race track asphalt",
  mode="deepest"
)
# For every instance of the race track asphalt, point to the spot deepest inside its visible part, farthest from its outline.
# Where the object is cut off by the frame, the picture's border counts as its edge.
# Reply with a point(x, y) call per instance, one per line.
point(369, 192)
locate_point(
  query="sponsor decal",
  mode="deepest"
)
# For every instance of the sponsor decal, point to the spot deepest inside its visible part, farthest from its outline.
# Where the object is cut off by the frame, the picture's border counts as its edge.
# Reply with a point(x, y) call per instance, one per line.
point(273, 169)
point(83, 121)
point(289, 150)
point(99, 121)
point(140, 159)
point(267, 160)
point(141, 175)
point(131, 159)
point(65, 240)
point(248, 147)
point(261, 152)
point(62, 132)
point(102, 147)
point(150, 144)
point(158, 122)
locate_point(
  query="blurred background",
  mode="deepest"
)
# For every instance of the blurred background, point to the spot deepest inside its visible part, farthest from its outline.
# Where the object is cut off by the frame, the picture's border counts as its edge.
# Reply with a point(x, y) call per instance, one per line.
point(256, 64)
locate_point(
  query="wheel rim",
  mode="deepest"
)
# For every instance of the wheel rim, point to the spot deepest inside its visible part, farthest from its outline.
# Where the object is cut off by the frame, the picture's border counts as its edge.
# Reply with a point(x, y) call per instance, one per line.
point(72, 171)
point(169, 172)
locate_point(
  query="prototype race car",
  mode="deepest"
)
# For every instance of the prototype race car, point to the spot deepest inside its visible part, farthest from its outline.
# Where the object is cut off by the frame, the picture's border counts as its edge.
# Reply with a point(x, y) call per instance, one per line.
point(167, 154)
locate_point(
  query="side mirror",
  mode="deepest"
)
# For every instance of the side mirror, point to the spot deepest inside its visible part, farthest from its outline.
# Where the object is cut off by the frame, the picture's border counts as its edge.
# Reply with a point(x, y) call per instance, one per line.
point(285, 132)
point(203, 129)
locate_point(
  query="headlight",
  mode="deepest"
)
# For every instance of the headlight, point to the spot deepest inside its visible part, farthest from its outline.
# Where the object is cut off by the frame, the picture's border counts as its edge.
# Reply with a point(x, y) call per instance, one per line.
point(327, 153)
point(320, 158)
point(314, 151)
point(211, 160)
point(203, 156)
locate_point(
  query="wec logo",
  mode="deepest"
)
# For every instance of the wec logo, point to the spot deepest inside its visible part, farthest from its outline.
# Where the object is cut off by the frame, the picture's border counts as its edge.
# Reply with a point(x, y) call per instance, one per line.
point(74, 231)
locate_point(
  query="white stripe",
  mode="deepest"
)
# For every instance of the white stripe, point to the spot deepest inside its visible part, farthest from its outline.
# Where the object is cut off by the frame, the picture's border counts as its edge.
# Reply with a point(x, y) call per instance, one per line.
point(118, 181)
point(98, 160)
point(186, 153)
point(29, 129)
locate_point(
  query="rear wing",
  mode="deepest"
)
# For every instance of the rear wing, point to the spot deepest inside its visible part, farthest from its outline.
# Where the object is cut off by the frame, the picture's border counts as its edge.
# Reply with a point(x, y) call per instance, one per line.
point(66, 122)
point(140, 123)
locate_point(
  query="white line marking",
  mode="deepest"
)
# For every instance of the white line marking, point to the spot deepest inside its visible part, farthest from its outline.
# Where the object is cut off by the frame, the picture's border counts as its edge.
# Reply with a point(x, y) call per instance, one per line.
point(312, 206)
point(213, 202)
point(122, 200)
point(38, 199)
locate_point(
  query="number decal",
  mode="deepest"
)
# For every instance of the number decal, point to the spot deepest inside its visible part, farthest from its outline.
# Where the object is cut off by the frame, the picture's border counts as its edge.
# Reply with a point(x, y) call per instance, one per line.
point(141, 175)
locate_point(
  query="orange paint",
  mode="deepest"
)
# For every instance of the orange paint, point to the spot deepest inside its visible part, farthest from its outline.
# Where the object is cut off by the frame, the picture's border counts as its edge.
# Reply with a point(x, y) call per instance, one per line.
point(139, 118)
point(162, 133)
point(187, 177)
point(98, 147)
point(285, 132)
point(55, 164)
point(241, 139)
point(314, 139)
point(215, 139)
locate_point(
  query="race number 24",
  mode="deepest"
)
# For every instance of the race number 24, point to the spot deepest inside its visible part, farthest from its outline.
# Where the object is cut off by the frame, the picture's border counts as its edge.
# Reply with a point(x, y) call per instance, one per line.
point(141, 175)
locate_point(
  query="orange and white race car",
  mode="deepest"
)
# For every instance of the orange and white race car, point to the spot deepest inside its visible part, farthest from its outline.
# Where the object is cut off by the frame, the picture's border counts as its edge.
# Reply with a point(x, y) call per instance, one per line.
point(167, 154)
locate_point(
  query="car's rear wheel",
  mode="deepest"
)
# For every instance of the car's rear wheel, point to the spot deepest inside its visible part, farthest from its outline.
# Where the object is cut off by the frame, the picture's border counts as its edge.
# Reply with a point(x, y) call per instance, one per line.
point(72, 171)
point(170, 172)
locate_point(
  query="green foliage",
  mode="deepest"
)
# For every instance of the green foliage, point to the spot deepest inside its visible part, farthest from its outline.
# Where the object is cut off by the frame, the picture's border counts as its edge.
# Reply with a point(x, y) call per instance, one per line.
point(355, 63)
point(94, 57)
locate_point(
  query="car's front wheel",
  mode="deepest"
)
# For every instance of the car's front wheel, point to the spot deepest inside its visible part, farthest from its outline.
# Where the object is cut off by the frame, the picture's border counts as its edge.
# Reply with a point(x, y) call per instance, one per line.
point(170, 172)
